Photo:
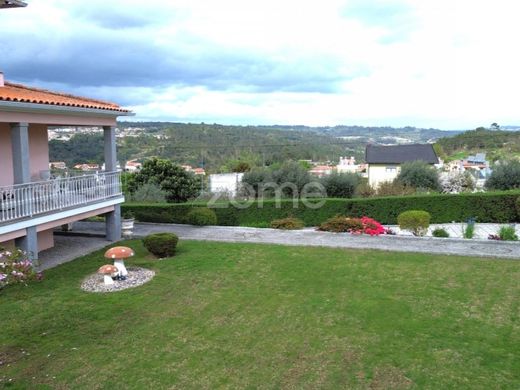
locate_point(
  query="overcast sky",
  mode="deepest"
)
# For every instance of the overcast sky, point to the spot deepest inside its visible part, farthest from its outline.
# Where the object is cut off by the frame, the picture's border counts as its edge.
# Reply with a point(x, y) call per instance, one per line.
point(450, 64)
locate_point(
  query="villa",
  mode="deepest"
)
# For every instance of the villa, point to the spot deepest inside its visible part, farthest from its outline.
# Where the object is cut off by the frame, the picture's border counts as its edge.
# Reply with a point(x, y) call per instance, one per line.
point(32, 203)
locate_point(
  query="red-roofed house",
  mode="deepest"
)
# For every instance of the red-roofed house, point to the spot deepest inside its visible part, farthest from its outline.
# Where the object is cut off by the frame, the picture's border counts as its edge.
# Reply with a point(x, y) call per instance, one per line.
point(31, 203)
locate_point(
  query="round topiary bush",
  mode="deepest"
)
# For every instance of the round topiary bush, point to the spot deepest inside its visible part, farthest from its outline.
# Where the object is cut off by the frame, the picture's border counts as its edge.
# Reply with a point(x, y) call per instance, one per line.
point(288, 223)
point(161, 244)
point(416, 221)
point(201, 216)
point(440, 232)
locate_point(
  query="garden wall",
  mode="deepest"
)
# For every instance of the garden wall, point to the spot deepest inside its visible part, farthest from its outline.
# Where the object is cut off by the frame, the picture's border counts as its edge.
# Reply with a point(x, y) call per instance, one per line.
point(498, 207)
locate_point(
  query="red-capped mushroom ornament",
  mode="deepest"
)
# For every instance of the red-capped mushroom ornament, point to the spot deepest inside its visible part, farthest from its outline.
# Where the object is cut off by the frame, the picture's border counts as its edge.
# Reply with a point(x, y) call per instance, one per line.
point(108, 271)
point(118, 254)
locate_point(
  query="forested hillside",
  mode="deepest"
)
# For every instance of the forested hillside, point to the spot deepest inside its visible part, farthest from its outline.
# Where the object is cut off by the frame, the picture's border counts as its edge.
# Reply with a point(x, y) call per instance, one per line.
point(497, 144)
point(216, 147)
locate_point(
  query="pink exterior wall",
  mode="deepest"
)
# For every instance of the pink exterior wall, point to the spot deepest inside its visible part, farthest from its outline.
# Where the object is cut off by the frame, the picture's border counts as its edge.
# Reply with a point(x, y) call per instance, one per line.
point(45, 240)
point(38, 150)
point(6, 159)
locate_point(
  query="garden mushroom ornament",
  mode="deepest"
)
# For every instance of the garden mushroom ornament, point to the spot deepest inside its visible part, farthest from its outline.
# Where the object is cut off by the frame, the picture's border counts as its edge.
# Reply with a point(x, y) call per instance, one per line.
point(118, 254)
point(108, 270)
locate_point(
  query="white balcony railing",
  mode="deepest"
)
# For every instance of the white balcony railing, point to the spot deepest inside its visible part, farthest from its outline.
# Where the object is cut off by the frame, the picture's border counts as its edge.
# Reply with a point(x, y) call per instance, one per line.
point(31, 199)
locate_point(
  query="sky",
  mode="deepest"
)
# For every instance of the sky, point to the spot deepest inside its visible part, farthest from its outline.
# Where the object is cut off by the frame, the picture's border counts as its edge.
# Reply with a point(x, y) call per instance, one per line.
point(448, 64)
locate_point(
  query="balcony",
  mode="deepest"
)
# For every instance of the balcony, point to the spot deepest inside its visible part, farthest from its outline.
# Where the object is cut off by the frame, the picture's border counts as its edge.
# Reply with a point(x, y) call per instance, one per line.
point(30, 200)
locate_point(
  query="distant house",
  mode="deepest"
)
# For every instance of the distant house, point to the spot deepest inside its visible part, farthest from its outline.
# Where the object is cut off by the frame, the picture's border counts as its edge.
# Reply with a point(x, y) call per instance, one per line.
point(195, 171)
point(384, 162)
point(133, 166)
point(87, 167)
point(347, 165)
point(321, 170)
point(57, 165)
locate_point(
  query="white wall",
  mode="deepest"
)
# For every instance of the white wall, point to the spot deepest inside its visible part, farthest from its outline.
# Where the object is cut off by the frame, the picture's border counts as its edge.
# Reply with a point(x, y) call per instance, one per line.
point(379, 173)
point(225, 182)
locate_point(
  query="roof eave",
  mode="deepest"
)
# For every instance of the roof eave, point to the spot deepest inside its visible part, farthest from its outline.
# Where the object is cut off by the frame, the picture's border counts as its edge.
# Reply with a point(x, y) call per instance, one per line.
point(60, 110)
point(12, 4)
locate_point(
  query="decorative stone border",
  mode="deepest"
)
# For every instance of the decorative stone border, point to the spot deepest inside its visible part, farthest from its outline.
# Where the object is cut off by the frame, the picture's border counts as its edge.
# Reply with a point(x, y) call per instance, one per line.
point(136, 277)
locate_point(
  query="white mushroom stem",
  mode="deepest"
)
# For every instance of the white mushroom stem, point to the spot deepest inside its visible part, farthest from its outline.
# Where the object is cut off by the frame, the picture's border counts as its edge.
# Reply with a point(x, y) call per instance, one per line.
point(120, 265)
point(108, 279)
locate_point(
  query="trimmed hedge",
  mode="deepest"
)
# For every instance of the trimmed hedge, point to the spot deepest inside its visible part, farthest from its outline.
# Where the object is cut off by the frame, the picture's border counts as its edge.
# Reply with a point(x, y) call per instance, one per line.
point(497, 207)
point(201, 216)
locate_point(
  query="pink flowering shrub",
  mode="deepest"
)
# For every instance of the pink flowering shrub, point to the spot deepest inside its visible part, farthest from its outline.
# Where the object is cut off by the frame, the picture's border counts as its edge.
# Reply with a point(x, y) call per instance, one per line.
point(372, 227)
point(16, 268)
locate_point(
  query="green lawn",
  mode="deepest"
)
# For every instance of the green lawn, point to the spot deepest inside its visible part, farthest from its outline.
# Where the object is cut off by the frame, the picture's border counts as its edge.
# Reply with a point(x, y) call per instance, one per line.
point(263, 316)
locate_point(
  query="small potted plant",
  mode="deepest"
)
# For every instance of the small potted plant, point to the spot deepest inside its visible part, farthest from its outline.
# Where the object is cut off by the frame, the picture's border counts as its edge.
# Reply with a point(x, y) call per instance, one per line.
point(127, 223)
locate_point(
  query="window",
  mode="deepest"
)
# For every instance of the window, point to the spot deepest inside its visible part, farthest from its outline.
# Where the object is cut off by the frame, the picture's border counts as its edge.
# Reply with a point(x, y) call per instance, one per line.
point(391, 169)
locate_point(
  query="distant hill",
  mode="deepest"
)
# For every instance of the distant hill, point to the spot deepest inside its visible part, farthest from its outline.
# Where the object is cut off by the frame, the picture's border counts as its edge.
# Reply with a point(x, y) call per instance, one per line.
point(498, 144)
point(213, 145)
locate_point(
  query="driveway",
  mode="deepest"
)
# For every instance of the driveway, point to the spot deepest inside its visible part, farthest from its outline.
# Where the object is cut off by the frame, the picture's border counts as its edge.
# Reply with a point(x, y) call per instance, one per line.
point(310, 237)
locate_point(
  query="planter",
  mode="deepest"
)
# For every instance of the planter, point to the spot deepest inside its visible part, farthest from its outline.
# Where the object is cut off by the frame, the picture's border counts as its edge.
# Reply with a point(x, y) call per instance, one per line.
point(127, 227)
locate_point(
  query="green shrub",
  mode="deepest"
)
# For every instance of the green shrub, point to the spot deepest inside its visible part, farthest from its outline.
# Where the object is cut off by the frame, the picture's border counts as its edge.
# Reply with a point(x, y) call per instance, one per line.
point(340, 185)
point(517, 204)
point(128, 214)
point(416, 221)
point(149, 192)
point(469, 231)
point(365, 190)
point(177, 184)
point(288, 223)
point(394, 188)
point(161, 244)
point(201, 216)
point(418, 174)
point(440, 232)
point(505, 176)
point(341, 224)
point(507, 233)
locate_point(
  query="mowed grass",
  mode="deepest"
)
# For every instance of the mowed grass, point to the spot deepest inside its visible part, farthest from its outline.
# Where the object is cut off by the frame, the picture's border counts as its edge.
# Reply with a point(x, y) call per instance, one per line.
point(221, 315)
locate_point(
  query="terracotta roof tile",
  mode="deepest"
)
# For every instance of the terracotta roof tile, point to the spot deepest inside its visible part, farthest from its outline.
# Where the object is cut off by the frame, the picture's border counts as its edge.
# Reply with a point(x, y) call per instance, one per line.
point(21, 93)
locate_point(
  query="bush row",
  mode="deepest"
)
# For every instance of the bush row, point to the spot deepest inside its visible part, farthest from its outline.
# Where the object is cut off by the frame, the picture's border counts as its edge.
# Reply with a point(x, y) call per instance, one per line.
point(485, 207)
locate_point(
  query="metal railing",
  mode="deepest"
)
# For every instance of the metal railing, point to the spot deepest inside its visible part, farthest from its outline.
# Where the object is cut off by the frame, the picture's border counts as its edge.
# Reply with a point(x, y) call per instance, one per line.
point(31, 199)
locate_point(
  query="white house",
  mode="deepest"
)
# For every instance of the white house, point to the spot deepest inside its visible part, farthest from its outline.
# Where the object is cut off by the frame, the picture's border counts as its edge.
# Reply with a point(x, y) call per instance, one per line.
point(384, 162)
point(347, 165)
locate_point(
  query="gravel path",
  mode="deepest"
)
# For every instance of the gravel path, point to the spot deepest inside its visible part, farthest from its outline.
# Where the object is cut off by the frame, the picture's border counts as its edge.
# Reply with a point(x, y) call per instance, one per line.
point(136, 277)
point(310, 237)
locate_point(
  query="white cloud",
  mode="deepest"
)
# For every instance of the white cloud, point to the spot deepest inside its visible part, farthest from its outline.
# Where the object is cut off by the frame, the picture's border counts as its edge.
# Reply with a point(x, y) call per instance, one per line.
point(430, 63)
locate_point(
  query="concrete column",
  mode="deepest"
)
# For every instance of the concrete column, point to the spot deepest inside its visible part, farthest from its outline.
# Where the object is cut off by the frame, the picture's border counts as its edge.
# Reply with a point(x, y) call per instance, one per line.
point(29, 244)
point(20, 148)
point(112, 219)
point(21, 175)
point(113, 224)
point(109, 133)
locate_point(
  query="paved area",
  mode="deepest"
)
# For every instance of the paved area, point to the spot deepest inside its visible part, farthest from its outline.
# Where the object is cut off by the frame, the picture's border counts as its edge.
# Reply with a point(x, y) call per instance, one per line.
point(67, 248)
point(310, 237)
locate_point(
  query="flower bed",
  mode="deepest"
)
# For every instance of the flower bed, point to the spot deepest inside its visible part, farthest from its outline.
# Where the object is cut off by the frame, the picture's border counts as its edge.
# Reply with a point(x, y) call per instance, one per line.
point(16, 268)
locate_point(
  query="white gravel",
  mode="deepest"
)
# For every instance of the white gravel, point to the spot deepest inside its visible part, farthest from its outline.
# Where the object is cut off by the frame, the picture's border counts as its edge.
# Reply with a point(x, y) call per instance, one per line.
point(136, 277)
